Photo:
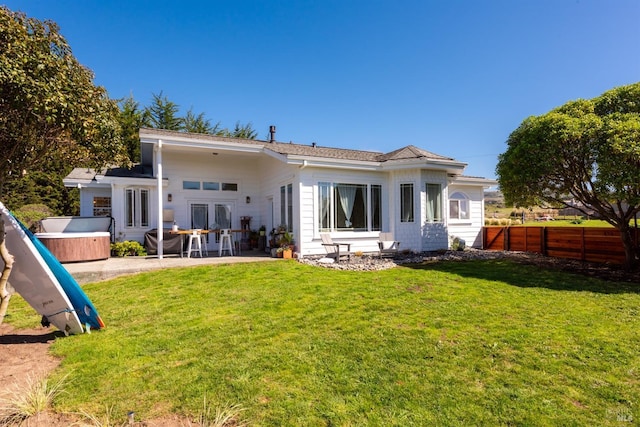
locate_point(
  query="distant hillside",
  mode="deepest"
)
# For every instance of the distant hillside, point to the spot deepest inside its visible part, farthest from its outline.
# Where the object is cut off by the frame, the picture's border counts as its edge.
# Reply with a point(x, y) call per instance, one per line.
point(494, 198)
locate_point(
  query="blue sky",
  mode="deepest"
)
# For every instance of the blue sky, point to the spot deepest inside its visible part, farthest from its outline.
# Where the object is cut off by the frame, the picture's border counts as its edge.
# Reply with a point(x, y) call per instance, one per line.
point(450, 76)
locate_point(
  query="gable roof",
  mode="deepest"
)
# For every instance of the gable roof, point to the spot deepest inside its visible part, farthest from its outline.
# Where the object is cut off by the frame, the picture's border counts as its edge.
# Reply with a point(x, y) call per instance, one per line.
point(410, 153)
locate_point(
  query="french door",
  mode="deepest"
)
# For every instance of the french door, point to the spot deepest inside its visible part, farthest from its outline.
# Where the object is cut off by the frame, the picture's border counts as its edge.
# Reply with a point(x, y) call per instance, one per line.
point(211, 215)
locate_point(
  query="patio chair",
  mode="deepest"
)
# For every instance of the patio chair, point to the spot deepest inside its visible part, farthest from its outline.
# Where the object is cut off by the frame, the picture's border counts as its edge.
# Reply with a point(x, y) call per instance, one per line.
point(387, 245)
point(333, 248)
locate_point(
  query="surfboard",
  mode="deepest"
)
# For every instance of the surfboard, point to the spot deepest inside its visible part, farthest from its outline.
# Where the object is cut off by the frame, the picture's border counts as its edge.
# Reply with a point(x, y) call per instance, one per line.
point(85, 309)
point(32, 278)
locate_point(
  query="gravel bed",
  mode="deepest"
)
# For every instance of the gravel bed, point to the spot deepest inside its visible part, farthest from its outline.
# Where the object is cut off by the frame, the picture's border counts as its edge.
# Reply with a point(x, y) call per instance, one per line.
point(603, 271)
point(373, 262)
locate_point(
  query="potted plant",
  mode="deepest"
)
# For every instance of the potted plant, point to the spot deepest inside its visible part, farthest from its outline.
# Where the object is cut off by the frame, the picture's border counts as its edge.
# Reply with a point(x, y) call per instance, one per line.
point(287, 252)
point(286, 244)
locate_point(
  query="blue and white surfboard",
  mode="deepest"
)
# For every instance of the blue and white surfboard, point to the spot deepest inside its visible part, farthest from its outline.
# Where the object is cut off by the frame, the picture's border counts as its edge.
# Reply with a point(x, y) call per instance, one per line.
point(83, 306)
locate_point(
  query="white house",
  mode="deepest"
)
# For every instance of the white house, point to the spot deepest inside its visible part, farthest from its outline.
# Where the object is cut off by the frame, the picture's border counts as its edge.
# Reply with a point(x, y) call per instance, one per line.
point(207, 181)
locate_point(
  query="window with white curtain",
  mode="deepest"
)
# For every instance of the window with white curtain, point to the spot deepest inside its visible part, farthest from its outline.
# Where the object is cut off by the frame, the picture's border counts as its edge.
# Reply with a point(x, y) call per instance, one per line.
point(406, 202)
point(136, 207)
point(459, 206)
point(434, 202)
point(349, 207)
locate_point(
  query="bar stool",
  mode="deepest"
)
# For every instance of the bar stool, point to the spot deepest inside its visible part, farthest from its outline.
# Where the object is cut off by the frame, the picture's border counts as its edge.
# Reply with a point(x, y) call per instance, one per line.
point(226, 242)
point(195, 243)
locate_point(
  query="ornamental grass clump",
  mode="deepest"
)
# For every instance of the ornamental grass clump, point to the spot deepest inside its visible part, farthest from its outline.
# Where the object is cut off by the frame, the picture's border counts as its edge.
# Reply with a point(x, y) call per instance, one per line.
point(23, 403)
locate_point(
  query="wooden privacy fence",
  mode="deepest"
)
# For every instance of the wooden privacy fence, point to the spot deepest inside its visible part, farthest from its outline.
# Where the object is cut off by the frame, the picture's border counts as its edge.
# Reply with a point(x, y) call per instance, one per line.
point(583, 243)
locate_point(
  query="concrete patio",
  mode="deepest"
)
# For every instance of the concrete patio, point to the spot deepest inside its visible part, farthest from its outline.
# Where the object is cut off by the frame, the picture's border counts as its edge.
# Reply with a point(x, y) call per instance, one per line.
point(94, 271)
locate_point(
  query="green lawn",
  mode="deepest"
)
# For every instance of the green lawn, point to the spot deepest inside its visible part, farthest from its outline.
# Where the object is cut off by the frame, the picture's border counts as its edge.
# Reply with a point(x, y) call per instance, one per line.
point(458, 343)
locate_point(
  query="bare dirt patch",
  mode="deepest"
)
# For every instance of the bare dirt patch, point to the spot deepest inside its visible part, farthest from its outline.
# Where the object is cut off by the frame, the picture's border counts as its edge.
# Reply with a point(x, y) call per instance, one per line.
point(25, 357)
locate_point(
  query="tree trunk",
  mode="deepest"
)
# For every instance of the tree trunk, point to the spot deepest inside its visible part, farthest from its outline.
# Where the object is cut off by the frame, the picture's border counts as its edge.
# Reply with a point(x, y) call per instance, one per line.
point(630, 250)
point(6, 290)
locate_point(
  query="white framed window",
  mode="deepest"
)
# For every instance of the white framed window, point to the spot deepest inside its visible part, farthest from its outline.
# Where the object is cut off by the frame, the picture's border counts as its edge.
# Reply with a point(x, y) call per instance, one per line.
point(434, 202)
point(210, 185)
point(102, 206)
point(406, 202)
point(286, 206)
point(459, 206)
point(349, 207)
point(136, 207)
point(190, 185)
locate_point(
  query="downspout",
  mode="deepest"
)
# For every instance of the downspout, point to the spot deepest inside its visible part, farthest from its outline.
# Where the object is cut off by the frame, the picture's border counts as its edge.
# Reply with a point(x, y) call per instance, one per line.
point(160, 227)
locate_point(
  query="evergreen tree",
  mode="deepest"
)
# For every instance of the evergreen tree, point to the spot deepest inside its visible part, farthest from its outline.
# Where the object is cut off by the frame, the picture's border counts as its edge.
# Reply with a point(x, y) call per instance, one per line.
point(163, 114)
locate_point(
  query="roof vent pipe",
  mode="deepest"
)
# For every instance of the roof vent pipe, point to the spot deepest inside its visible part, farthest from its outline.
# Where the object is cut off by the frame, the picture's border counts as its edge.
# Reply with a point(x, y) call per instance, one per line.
point(272, 133)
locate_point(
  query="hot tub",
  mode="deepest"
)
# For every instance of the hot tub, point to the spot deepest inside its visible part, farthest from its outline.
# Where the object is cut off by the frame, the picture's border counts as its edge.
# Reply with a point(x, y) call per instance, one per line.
point(78, 246)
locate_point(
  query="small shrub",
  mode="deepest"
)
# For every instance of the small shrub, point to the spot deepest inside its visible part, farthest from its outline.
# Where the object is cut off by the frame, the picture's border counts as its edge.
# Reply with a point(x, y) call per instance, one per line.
point(31, 215)
point(358, 253)
point(127, 248)
point(577, 221)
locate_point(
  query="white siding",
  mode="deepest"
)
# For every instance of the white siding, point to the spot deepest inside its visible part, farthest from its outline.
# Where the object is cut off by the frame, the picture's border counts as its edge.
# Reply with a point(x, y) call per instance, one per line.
point(434, 235)
point(86, 199)
point(407, 233)
point(469, 229)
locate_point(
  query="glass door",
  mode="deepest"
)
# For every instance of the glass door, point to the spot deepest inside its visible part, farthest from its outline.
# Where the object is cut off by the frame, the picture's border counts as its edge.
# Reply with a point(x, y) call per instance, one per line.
point(223, 217)
point(199, 218)
point(211, 215)
point(223, 214)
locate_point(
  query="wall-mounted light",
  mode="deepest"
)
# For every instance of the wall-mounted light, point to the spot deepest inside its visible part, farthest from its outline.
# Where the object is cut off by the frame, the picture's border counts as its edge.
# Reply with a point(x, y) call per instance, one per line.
point(169, 197)
point(248, 199)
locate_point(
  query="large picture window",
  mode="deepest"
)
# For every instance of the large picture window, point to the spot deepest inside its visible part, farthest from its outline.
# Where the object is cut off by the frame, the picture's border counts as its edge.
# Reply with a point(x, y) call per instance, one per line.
point(136, 207)
point(349, 207)
point(459, 206)
point(434, 202)
point(406, 202)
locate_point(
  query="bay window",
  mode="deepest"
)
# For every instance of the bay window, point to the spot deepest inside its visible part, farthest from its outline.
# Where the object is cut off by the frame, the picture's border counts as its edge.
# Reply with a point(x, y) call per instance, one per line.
point(434, 203)
point(406, 202)
point(349, 207)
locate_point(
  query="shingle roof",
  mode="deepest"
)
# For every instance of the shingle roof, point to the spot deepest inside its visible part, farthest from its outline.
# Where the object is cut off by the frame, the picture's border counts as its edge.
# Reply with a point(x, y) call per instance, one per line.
point(411, 152)
point(405, 153)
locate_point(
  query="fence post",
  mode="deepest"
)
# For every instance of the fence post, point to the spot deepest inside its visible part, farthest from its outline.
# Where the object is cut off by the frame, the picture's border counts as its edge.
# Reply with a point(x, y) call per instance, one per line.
point(506, 238)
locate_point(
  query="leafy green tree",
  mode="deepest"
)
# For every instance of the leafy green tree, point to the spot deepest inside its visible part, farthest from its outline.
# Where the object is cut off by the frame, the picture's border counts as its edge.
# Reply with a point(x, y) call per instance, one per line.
point(163, 114)
point(587, 151)
point(49, 105)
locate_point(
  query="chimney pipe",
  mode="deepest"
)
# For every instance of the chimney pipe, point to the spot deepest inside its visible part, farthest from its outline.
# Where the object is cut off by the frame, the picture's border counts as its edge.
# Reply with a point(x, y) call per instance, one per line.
point(272, 133)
